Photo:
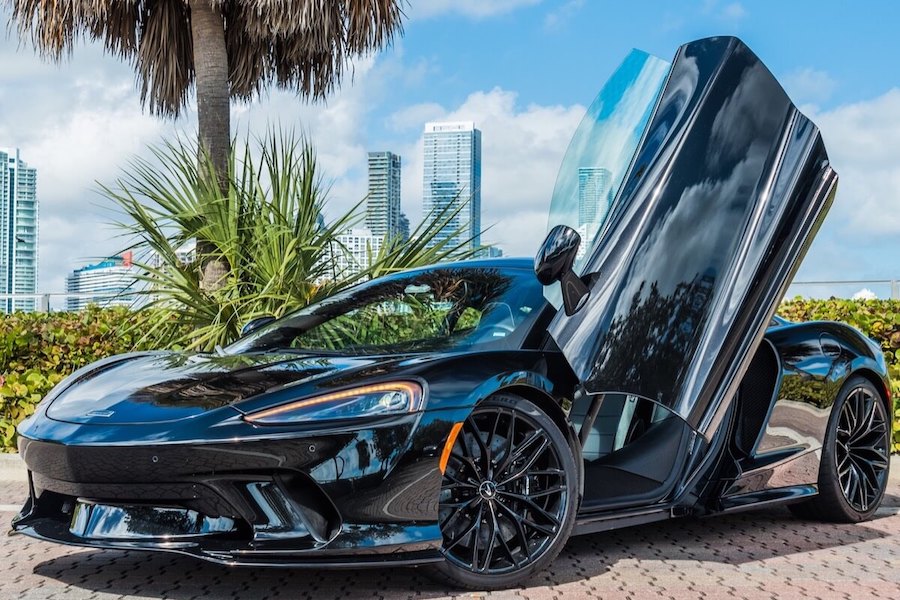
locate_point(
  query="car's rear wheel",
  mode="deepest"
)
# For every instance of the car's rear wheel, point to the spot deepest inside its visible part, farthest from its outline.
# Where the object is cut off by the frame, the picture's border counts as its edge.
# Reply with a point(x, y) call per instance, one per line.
point(508, 497)
point(853, 473)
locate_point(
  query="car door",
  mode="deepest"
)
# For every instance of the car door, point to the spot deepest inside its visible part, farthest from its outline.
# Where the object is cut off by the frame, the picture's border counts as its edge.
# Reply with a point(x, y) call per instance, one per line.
point(692, 239)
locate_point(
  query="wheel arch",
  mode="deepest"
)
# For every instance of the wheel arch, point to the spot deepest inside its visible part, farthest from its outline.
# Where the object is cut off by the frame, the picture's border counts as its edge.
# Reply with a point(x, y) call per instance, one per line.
point(880, 384)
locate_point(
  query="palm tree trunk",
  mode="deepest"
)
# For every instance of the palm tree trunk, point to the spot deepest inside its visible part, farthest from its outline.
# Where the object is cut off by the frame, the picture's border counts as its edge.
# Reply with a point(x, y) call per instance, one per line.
point(213, 113)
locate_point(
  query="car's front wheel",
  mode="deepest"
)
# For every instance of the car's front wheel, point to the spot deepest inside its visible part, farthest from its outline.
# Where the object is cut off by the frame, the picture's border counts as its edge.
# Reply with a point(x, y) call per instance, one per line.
point(508, 497)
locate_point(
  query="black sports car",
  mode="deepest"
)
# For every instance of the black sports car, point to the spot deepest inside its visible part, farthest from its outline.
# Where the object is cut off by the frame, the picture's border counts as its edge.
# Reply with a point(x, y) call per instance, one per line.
point(467, 416)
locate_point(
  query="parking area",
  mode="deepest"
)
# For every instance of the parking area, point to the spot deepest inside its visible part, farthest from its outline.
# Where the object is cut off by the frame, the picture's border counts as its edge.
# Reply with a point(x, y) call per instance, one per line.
point(760, 554)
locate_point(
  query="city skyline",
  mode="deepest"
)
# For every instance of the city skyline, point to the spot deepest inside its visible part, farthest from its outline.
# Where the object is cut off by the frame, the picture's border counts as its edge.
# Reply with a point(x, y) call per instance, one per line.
point(19, 227)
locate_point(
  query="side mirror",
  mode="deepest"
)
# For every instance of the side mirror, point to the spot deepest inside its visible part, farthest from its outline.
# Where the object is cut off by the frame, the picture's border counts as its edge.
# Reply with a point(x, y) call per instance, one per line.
point(254, 324)
point(554, 261)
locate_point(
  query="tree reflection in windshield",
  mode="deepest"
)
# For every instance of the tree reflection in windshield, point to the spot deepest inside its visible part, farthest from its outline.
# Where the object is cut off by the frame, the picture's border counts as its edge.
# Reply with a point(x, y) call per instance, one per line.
point(435, 309)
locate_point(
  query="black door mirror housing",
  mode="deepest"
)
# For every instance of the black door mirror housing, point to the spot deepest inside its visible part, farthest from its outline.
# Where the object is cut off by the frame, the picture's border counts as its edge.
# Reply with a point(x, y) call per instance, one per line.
point(554, 261)
point(254, 324)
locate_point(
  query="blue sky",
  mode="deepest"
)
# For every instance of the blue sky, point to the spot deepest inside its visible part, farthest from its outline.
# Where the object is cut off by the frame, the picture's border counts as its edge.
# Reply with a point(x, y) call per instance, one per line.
point(524, 70)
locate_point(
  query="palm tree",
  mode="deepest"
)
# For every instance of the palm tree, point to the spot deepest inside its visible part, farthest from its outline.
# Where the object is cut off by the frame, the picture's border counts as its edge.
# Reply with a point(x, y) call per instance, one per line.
point(227, 48)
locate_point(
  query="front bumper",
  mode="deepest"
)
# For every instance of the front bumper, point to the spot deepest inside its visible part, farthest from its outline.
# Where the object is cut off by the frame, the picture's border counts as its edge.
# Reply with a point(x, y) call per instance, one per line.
point(343, 498)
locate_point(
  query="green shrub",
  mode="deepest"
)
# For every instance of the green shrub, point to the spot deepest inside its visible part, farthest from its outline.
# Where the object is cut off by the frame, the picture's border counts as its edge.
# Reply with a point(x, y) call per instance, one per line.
point(38, 350)
point(878, 319)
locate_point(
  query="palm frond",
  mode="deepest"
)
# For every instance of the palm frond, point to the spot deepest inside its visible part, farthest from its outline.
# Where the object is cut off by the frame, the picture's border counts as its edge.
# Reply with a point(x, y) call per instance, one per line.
point(267, 226)
point(299, 45)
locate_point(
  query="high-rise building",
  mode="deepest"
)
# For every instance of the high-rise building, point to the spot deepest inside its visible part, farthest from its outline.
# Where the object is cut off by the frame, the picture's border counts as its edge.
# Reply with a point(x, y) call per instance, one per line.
point(352, 257)
point(594, 200)
point(18, 231)
point(383, 203)
point(112, 282)
point(489, 251)
point(452, 178)
point(404, 227)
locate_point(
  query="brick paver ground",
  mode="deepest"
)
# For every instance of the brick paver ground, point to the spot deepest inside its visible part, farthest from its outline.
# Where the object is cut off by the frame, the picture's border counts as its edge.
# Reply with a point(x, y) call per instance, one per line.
point(761, 554)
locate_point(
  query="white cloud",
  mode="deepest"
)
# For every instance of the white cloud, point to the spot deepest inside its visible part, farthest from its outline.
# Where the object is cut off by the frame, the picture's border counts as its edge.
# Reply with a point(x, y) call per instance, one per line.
point(522, 148)
point(559, 16)
point(809, 86)
point(476, 9)
point(862, 139)
point(731, 11)
point(734, 11)
point(860, 238)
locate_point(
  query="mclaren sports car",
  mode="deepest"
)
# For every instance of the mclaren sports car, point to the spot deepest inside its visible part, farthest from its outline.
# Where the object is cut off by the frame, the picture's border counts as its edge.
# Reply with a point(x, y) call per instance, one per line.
point(470, 417)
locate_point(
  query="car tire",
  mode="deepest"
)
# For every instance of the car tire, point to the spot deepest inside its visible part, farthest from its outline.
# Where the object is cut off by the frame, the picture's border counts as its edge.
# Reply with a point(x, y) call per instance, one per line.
point(526, 512)
point(853, 473)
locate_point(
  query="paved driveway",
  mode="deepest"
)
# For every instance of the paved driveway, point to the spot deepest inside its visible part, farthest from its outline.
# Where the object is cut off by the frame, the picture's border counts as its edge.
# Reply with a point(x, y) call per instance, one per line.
point(762, 554)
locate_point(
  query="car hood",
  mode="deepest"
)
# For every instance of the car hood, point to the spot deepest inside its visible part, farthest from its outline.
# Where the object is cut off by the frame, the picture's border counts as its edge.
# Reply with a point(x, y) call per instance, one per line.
point(164, 387)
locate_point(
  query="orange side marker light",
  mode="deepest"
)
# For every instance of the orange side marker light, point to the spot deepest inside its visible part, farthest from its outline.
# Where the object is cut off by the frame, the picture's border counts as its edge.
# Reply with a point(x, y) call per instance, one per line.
point(448, 447)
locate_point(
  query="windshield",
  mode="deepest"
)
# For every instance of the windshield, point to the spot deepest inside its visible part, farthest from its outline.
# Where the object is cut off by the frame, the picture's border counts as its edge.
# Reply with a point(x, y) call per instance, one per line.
point(601, 150)
point(436, 309)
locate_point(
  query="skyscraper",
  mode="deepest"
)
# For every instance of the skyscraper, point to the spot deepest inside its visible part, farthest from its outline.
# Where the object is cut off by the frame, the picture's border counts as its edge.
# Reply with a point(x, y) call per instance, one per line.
point(112, 282)
point(452, 177)
point(355, 247)
point(593, 203)
point(383, 204)
point(18, 230)
point(404, 227)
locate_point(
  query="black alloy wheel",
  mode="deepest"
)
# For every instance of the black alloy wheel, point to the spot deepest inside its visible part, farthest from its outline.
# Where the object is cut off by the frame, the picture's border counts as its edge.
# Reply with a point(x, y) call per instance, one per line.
point(862, 448)
point(853, 474)
point(508, 496)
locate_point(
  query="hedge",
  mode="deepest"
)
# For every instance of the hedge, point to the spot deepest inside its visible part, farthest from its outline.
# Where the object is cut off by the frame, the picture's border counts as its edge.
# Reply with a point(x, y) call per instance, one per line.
point(37, 350)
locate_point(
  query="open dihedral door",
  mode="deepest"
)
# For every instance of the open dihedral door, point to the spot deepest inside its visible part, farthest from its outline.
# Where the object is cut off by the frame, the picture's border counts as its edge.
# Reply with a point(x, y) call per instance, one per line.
point(726, 187)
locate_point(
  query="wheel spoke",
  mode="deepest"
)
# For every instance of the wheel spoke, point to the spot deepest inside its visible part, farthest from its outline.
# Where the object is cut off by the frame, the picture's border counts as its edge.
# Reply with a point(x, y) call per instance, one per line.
point(515, 452)
point(862, 448)
point(492, 538)
point(482, 449)
point(520, 529)
point(532, 505)
point(531, 457)
point(470, 530)
point(457, 511)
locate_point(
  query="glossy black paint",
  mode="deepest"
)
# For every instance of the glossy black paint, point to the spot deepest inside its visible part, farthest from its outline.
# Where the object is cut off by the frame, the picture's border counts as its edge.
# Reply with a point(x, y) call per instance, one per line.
point(814, 362)
point(554, 261)
point(727, 187)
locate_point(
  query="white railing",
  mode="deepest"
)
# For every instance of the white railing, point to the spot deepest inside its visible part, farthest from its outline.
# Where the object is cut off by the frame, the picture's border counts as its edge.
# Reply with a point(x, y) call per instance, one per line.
point(58, 301)
point(881, 288)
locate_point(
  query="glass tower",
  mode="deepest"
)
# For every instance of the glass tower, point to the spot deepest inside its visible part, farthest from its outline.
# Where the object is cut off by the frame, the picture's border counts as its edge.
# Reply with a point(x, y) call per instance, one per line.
point(18, 231)
point(452, 178)
point(383, 203)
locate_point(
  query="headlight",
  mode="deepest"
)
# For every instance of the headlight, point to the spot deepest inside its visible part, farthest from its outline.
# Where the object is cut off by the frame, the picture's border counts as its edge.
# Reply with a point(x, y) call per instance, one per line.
point(394, 398)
